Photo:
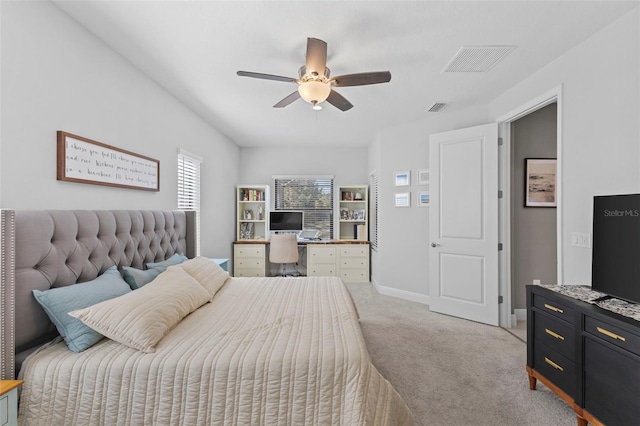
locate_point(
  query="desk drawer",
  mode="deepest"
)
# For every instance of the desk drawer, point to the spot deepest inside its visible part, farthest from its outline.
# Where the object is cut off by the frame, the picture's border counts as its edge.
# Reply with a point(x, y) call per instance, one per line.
point(355, 275)
point(321, 270)
point(249, 250)
point(321, 254)
point(354, 250)
point(555, 334)
point(354, 262)
point(555, 367)
point(250, 262)
point(612, 334)
point(249, 272)
point(553, 307)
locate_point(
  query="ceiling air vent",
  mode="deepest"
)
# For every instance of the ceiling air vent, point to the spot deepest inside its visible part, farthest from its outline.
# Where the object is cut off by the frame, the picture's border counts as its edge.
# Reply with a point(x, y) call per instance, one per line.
point(437, 107)
point(477, 58)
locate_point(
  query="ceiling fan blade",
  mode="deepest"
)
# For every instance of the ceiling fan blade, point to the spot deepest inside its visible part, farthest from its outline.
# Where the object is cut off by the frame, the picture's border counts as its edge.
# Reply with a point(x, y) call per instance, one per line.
point(288, 100)
point(362, 79)
point(316, 56)
point(266, 76)
point(339, 101)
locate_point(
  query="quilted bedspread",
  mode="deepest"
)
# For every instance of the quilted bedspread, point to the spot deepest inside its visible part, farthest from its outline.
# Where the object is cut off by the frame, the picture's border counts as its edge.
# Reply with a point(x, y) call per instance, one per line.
point(274, 351)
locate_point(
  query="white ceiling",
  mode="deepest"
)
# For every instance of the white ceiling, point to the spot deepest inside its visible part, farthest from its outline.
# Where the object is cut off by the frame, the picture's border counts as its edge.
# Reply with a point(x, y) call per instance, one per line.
point(194, 48)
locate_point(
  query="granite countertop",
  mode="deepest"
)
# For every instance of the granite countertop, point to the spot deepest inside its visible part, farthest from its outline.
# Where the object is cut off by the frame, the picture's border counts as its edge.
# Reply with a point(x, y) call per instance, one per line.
point(586, 294)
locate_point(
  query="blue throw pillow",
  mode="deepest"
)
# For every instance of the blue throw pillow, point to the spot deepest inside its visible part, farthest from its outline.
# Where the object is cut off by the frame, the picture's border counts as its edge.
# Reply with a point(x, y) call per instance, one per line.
point(57, 302)
point(136, 278)
point(176, 259)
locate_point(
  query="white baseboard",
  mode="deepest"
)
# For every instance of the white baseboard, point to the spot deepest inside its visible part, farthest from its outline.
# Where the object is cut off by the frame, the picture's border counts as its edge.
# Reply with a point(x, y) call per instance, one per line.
point(401, 294)
point(514, 320)
point(521, 314)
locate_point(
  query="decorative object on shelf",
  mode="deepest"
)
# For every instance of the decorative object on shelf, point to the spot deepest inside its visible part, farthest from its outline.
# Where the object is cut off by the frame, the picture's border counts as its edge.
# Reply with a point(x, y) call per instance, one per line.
point(423, 198)
point(402, 199)
point(540, 182)
point(246, 231)
point(402, 178)
point(248, 214)
point(260, 213)
point(84, 160)
point(423, 176)
point(344, 214)
point(360, 214)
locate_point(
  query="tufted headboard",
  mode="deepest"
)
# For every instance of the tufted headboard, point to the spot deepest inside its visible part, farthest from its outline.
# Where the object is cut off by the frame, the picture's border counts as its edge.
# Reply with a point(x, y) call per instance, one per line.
point(42, 249)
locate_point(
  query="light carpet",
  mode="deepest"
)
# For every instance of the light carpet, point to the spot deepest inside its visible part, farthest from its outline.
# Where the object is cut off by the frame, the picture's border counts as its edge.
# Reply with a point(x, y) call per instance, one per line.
point(452, 371)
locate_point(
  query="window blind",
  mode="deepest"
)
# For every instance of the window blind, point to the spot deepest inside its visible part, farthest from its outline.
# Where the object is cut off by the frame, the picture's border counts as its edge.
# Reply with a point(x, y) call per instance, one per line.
point(189, 187)
point(311, 194)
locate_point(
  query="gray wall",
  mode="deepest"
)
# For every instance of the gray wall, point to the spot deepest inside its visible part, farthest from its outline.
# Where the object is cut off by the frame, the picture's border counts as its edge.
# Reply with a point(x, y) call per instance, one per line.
point(55, 75)
point(533, 229)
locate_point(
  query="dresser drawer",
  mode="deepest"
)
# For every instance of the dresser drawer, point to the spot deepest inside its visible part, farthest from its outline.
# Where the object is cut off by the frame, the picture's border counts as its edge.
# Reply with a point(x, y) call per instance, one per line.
point(553, 307)
point(555, 334)
point(612, 334)
point(249, 272)
point(249, 250)
point(321, 270)
point(321, 254)
point(354, 262)
point(611, 383)
point(354, 275)
point(354, 250)
point(251, 262)
point(555, 367)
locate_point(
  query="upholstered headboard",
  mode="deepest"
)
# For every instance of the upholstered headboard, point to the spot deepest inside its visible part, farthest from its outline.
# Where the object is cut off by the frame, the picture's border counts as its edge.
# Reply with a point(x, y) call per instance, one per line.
point(42, 249)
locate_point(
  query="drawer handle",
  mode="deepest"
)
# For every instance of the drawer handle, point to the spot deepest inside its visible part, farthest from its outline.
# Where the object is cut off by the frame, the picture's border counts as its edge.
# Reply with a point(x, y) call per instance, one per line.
point(610, 334)
point(553, 308)
point(554, 334)
point(553, 364)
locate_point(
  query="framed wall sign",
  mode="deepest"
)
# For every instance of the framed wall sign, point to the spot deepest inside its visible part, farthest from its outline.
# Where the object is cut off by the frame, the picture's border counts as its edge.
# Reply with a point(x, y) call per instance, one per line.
point(540, 182)
point(87, 161)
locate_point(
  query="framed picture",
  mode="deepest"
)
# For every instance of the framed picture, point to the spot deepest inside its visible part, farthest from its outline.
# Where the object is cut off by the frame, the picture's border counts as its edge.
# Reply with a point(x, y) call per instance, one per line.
point(402, 199)
point(423, 199)
point(344, 214)
point(360, 214)
point(83, 160)
point(540, 182)
point(402, 178)
point(423, 176)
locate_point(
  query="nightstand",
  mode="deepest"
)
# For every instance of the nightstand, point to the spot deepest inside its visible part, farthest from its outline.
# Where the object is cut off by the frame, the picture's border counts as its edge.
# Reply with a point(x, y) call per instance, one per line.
point(224, 263)
point(9, 402)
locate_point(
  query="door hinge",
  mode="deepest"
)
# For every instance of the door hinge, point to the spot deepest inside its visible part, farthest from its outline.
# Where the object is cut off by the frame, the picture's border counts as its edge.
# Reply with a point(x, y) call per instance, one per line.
point(500, 141)
point(500, 299)
point(500, 194)
point(499, 246)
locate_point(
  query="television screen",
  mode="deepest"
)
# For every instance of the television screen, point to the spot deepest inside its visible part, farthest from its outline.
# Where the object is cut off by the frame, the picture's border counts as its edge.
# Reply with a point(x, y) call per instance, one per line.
point(282, 220)
point(616, 246)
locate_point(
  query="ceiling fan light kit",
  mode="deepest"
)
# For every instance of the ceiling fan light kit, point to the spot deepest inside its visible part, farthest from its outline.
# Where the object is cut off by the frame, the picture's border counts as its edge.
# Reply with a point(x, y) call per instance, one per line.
point(314, 84)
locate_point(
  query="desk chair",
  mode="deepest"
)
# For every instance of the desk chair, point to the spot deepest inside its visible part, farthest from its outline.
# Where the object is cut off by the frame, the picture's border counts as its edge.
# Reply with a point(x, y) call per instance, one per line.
point(283, 249)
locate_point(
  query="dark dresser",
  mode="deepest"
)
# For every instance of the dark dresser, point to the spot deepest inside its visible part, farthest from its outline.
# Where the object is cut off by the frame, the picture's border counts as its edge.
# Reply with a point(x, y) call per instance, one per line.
point(588, 356)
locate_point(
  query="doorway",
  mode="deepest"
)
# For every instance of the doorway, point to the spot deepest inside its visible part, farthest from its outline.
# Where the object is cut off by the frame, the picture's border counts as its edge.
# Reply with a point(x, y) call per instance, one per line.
point(531, 235)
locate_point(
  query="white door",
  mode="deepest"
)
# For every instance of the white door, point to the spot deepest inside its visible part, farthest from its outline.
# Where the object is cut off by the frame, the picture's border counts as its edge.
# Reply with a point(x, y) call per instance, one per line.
point(463, 223)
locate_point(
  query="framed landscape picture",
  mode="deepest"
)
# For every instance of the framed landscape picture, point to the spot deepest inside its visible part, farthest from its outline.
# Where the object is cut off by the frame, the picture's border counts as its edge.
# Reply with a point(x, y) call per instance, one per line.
point(540, 182)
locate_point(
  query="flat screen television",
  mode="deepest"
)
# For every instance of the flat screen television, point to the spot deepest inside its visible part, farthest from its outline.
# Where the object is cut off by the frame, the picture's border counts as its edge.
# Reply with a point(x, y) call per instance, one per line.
point(286, 220)
point(616, 246)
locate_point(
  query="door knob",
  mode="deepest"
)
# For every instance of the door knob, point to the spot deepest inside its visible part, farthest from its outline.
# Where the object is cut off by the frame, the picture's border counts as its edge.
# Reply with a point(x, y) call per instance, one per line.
point(435, 245)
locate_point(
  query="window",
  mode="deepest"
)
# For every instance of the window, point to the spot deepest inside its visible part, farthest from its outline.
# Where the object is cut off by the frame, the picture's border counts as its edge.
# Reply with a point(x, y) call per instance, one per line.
point(189, 187)
point(373, 210)
point(311, 194)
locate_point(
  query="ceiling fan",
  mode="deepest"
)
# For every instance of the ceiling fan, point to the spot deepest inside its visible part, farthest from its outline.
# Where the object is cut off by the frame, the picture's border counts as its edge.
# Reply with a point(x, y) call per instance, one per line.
point(315, 85)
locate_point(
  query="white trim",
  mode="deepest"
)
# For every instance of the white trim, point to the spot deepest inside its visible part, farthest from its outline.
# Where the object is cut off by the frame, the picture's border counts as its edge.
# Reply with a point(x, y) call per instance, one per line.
point(401, 294)
point(303, 177)
point(504, 122)
point(190, 155)
point(521, 314)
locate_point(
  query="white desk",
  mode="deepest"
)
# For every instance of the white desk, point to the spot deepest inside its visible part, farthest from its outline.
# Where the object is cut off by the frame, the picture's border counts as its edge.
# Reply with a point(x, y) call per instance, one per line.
point(348, 259)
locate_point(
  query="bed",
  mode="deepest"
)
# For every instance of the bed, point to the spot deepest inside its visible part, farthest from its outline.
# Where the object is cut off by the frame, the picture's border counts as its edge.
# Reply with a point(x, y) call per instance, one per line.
point(257, 351)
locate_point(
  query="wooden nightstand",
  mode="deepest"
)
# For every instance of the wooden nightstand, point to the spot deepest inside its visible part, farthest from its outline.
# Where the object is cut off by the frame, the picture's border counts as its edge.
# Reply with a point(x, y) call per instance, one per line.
point(9, 402)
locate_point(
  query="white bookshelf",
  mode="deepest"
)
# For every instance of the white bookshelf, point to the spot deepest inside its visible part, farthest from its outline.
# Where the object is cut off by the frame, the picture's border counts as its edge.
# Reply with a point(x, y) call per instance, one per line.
point(352, 213)
point(252, 212)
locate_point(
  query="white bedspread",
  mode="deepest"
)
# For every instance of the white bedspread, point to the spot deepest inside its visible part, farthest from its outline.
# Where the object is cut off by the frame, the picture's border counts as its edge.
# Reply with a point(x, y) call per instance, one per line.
point(276, 351)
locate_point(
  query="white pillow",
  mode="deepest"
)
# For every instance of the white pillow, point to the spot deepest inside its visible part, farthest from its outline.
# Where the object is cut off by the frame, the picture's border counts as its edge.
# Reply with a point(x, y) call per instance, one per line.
point(206, 272)
point(141, 318)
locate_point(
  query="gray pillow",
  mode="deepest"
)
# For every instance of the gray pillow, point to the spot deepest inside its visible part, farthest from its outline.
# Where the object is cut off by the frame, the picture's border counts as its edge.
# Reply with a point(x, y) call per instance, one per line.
point(136, 278)
point(176, 259)
point(58, 302)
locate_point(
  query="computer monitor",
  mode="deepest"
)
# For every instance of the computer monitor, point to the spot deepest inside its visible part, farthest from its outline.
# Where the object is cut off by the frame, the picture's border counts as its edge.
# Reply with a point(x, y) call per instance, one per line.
point(286, 220)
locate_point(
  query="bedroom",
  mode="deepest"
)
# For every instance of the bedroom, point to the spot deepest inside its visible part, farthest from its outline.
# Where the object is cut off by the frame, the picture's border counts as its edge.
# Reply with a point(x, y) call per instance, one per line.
point(57, 76)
